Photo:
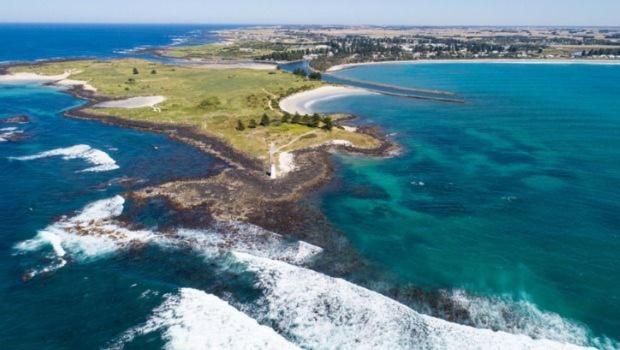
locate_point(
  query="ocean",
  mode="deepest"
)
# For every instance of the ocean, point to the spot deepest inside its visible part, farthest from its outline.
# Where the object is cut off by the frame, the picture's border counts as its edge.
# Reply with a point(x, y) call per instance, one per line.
point(505, 205)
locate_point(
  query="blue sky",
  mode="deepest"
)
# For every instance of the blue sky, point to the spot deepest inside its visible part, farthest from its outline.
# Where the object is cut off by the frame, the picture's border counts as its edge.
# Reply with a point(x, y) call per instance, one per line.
point(384, 12)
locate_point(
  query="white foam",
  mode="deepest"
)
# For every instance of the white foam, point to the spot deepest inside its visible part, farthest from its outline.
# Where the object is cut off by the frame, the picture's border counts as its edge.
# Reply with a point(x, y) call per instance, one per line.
point(318, 311)
point(94, 232)
point(90, 234)
point(7, 132)
point(243, 237)
point(522, 317)
point(100, 159)
point(194, 319)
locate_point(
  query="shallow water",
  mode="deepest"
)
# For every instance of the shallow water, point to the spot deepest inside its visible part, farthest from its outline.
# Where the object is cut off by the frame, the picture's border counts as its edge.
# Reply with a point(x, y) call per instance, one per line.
point(514, 194)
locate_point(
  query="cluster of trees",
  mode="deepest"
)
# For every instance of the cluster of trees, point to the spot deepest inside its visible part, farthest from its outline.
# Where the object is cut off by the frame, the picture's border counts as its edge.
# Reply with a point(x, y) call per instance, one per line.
point(314, 75)
point(313, 121)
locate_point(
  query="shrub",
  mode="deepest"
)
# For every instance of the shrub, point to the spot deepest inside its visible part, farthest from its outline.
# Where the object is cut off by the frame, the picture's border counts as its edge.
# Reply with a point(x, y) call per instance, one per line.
point(252, 124)
point(135, 70)
point(153, 71)
point(315, 120)
point(296, 119)
point(240, 126)
point(209, 103)
point(264, 120)
point(328, 123)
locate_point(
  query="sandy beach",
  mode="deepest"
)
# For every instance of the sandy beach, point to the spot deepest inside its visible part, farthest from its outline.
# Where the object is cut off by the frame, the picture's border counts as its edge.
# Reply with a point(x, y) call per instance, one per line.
point(60, 80)
point(302, 102)
point(488, 61)
point(132, 102)
point(32, 77)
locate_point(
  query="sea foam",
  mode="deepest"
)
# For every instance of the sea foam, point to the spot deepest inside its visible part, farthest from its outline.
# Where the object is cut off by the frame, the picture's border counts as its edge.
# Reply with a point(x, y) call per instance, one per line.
point(90, 234)
point(94, 232)
point(317, 311)
point(252, 239)
point(101, 160)
point(193, 319)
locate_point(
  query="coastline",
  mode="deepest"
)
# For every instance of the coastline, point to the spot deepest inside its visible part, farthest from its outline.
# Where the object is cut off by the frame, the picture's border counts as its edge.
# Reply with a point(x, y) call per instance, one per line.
point(232, 194)
point(470, 61)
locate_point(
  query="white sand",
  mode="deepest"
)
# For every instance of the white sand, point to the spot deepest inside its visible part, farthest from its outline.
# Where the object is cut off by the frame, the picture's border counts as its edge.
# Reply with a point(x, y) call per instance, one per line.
point(286, 163)
point(70, 83)
point(58, 80)
point(132, 102)
point(302, 102)
point(32, 77)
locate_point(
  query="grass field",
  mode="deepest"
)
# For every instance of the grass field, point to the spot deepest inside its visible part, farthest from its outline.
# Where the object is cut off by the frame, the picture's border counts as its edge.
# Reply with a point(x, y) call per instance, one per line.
point(211, 100)
point(236, 51)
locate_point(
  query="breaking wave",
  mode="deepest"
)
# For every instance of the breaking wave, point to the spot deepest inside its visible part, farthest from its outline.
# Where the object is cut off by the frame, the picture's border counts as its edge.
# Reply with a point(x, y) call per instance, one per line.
point(310, 309)
point(94, 232)
point(8, 133)
point(523, 317)
point(193, 319)
point(101, 160)
point(252, 239)
point(317, 311)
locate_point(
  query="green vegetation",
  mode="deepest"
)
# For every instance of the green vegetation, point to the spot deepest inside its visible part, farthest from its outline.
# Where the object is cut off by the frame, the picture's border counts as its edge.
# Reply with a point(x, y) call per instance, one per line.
point(216, 102)
point(237, 51)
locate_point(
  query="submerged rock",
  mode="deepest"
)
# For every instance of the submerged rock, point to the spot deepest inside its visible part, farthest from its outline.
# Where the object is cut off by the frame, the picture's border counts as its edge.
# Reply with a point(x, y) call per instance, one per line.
point(17, 119)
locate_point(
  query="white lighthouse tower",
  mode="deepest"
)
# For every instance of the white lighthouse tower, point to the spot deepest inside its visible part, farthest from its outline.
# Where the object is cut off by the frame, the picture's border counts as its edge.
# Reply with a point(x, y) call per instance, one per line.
point(272, 161)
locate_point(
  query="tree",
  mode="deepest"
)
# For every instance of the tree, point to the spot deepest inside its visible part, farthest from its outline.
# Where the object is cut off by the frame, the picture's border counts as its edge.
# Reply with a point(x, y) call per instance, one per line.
point(314, 76)
point(264, 120)
point(240, 126)
point(153, 71)
point(316, 119)
point(305, 119)
point(252, 124)
point(328, 123)
point(286, 117)
point(135, 70)
point(296, 119)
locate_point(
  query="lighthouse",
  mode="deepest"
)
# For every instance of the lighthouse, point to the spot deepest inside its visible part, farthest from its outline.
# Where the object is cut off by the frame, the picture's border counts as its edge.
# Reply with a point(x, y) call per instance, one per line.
point(272, 161)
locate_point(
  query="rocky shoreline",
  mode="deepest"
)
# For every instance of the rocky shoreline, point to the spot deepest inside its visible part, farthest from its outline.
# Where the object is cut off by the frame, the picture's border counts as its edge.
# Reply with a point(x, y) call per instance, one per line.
point(242, 191)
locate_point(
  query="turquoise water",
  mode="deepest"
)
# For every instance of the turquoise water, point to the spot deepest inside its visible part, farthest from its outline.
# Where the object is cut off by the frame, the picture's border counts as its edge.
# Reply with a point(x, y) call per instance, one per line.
point(513, 195)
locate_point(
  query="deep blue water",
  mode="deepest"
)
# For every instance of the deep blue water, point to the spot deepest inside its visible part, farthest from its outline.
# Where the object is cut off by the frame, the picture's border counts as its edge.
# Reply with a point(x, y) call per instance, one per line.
point(28, 42)
point(515, 193)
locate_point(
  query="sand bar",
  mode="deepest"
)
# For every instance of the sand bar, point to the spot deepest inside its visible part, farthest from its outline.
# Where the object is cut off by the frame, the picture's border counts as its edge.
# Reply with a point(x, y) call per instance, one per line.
point(302, 102)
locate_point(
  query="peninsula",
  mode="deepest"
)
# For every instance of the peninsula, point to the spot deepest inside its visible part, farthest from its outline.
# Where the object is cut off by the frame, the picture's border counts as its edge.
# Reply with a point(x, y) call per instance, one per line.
point(247, 118)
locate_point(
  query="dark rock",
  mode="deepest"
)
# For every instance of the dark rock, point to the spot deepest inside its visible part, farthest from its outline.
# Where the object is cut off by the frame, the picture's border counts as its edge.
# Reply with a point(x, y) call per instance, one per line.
point(18, 119)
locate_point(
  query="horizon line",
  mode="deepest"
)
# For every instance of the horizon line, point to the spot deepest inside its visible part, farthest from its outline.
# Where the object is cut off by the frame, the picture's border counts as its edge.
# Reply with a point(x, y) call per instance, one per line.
point(327, 25)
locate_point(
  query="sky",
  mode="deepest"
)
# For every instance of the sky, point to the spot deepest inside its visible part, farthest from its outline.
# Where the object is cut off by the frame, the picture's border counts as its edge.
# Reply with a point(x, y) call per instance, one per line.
point(373, 12)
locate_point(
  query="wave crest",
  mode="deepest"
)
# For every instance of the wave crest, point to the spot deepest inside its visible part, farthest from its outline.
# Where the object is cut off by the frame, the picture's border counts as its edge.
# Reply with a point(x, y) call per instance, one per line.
point(193, 319)
point(318, 311)
point(101, 160)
